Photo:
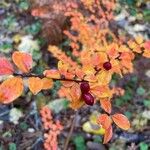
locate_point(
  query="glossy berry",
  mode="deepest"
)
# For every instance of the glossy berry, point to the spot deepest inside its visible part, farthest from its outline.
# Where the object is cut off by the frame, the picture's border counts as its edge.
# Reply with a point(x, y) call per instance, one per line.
point(107, 65)
point(84, 86)
point(88, 98)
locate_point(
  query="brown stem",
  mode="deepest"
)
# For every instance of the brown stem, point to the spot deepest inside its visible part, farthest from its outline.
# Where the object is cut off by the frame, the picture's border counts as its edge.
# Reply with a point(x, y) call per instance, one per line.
point(70, 132)
point(26, 75)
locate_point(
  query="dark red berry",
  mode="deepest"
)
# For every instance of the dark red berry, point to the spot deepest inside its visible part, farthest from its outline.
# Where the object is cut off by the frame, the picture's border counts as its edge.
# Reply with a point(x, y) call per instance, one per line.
point(107, 65)
point(88, 98)
point(84, 86)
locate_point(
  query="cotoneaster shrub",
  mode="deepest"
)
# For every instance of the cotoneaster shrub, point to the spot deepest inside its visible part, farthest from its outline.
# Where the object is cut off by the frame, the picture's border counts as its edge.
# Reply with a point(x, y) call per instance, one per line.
point(97, 54)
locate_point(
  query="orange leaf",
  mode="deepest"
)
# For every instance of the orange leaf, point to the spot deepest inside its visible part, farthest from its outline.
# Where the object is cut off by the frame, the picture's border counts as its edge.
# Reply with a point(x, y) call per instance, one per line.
point(101, 91)
point(65, 92)
point(105, 121)
point(146, 53)
point(35, 84)
point(68, 75)
point(53, 73)
point(75, 91)
point(6, 67)
point(79, 73)
point(121, 121)
point(106, 105)
point(11, 89)
point(23, 61)
point(108, 135)
point(47, 83)
point(67, 83)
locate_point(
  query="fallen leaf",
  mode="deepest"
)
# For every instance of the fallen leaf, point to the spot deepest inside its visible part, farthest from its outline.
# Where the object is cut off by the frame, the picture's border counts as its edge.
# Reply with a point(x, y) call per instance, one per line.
point(35, 84)
point(23, 61)
point(91, 126)
point(6, 67)
point(121, 121)
point(11, 89)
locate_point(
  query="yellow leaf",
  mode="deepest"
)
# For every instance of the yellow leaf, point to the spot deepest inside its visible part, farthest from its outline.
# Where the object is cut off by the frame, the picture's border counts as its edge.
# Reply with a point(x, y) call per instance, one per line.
point(62, 67)
point(139, 39)
point(104, 77)
point(93, 128)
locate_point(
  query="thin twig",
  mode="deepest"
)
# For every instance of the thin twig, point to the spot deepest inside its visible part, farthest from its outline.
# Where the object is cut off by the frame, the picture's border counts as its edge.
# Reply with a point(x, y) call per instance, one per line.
point(70, 132)
point(24, 75)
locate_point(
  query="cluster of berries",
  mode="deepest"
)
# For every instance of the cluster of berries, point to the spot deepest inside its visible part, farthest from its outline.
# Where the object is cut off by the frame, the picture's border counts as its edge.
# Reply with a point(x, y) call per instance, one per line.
point(85, 88)
point(86, 95)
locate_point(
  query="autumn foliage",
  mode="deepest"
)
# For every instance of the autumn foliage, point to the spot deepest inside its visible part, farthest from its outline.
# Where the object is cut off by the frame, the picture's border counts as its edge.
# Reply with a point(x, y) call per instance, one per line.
point(96, 55)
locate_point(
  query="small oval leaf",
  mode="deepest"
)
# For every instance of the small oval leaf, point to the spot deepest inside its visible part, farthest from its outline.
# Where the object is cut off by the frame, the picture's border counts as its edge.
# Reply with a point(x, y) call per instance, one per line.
point(11, 89)
point(52, 73)
point(105, 121)
point(47, 83)
point(35, 84)
point(108, 135)
point(6, 67)
point(23, 61)
point(121, 121)
point(106, 105)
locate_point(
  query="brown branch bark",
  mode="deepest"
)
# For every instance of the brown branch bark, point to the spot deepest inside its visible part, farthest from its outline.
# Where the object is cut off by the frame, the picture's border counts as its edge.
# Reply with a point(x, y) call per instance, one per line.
point(24, 75)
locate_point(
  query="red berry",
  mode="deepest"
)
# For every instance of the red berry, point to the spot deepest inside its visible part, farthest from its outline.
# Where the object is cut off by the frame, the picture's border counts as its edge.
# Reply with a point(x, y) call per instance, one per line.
point(107, 65)
point(88, 98)
point(84, 86)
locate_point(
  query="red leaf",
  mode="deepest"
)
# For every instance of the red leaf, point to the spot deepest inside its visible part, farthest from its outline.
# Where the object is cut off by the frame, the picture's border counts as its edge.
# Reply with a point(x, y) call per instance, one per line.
point(147, 44)
point(106, 105)
point(6, 67)
point(108, 135)
point(23, 61)
point(105, 121)
point(121, 121)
